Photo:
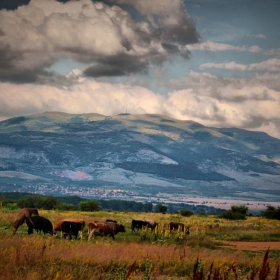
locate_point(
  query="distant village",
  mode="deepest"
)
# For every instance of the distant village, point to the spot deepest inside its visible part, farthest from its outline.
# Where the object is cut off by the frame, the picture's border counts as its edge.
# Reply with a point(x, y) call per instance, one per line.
point(103, 193)
point(76, 191)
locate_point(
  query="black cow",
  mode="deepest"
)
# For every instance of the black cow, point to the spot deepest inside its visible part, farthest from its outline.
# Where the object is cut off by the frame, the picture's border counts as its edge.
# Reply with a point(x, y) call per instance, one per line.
point(70, 228)
point(80, 225)
point(179, 226)
point(138, 224)
point(40, 224)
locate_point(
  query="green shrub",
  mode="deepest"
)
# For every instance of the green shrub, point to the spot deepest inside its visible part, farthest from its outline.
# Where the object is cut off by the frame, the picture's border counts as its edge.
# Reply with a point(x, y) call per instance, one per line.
point(160, 208)
point(235, 213)
point(89, 205)
point(11, 206)
point(186, 213)
point(231, 215)
point(272, 213)
point(240, 209)
point(66, 206)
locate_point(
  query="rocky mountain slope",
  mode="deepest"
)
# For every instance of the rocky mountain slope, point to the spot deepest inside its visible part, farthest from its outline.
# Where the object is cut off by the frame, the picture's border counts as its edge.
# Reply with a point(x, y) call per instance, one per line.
point(150, 155)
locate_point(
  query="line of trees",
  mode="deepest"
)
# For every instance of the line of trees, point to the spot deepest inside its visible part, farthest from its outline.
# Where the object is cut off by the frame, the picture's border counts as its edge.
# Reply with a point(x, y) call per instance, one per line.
point(51, 202)
point(15, 201)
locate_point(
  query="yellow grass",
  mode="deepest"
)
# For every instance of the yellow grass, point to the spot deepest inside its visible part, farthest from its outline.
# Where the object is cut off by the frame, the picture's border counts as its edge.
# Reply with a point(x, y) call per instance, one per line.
point(159, 255)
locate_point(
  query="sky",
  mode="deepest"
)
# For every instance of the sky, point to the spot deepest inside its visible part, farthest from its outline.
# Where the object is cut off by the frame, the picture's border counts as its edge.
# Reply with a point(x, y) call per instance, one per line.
point(216, 62)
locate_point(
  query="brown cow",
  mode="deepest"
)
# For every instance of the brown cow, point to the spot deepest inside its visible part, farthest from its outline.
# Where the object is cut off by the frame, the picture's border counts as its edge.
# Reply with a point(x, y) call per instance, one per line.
point(179, 227)
point(81, 224)
point(23, 214)
point(104, 229)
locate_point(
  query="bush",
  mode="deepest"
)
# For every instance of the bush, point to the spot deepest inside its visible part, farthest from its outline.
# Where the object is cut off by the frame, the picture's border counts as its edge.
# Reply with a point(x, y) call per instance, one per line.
point(161, 209)
point(231, 215)
point(186, 213)
point(89, 205)
point(66, 206)
point(272, 213)
point(11, 206)
point(235, 213)
point(240, 209)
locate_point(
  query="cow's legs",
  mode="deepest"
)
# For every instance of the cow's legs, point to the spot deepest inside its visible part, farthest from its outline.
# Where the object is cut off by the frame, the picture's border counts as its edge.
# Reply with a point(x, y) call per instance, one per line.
point(81, 234)
point(90, 235)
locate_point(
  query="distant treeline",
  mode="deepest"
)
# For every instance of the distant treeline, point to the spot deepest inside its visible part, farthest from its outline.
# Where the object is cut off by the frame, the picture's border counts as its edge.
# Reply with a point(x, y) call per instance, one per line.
point(21, 200)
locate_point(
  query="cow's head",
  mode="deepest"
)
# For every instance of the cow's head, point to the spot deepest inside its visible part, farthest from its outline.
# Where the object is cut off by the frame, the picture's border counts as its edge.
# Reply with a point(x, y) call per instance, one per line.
point(121, 228)
point(35, 212)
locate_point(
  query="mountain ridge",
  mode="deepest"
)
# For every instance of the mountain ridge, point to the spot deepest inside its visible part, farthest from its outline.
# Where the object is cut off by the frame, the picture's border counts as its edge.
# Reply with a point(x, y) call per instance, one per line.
point(152, 155)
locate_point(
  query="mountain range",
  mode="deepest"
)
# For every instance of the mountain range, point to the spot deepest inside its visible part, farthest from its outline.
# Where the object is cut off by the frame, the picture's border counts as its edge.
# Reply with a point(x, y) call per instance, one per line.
point(147, 156)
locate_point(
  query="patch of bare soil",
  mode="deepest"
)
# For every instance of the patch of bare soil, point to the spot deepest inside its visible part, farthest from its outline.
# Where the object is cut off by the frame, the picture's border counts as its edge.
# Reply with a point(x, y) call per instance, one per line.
point(251, 246)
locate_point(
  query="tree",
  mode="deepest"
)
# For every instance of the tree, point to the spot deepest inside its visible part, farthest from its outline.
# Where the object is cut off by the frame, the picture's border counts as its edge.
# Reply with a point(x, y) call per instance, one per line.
point(161, 208)
point(89, 205)
point(272, 213)
point(49, 203)
point(186, 213)
point(240, 209)
point(235, 213)
point(29, 202)
point(66, 206)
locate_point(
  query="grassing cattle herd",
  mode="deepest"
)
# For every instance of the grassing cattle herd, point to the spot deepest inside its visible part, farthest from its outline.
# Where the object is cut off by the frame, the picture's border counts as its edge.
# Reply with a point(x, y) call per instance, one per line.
point(69, 227)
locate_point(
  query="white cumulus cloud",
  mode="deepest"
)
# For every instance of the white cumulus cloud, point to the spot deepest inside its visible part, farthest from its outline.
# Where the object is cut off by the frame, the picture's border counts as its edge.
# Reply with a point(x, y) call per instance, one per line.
point(205, 98)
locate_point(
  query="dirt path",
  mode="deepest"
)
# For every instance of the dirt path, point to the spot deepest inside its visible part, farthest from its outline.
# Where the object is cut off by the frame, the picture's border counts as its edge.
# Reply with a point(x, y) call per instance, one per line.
point(252, 246)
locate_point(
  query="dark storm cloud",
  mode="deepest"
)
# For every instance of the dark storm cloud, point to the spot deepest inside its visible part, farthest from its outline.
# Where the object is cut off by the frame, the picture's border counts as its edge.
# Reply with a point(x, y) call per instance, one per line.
point(183, 33)
point(170, 20)
point(10, 71)
point(7, 57)
point(36, 76)
point(12, 4)
point(255, 121)
point(170, 48)
point(117, 66)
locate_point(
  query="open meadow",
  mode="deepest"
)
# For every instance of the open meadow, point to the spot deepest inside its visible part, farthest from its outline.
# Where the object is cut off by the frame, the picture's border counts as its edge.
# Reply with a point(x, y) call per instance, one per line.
point(215, 249)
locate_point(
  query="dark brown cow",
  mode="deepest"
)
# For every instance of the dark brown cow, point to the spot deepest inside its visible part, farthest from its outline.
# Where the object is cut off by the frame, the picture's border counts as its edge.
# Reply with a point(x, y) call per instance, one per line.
point(179, 227)
point(23, 214)
point(81, 222)
point(104, 229)
point(138, 224)
point(40, 223)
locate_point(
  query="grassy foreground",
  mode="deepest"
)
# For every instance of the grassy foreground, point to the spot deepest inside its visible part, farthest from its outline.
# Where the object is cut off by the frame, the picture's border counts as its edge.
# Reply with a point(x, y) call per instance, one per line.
point(140, 255)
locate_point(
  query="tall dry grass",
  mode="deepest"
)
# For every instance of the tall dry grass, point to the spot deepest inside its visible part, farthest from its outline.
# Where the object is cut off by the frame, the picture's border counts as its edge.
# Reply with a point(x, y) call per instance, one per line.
point(41, 257)
point(143, 255)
